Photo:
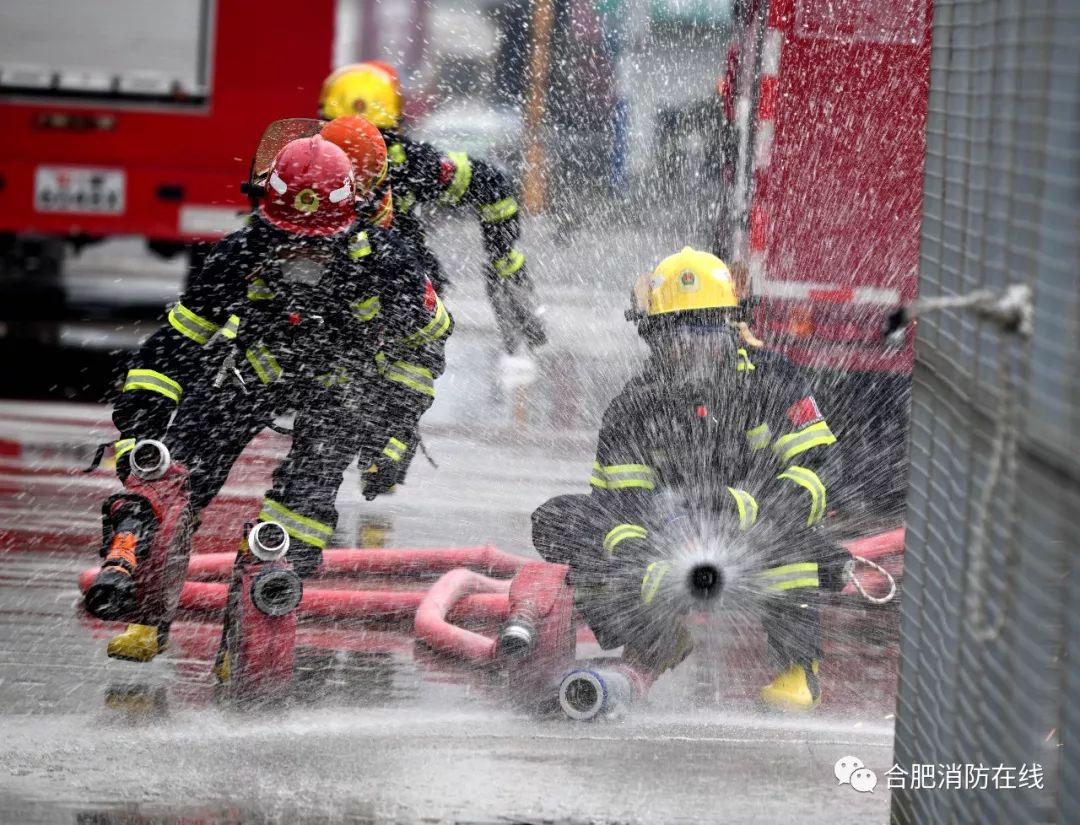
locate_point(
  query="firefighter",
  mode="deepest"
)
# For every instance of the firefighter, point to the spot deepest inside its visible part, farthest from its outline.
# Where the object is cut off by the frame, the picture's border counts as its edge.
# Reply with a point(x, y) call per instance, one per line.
point(717, 431)
point(296, 311)
point(420, 174)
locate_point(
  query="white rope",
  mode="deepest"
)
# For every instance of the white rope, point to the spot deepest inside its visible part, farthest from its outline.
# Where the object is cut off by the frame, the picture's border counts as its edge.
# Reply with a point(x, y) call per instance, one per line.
point(888, 597)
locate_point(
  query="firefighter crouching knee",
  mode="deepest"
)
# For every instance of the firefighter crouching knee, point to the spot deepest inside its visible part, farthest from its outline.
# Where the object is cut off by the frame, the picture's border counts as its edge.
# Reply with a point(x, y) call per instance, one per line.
point(734, 432)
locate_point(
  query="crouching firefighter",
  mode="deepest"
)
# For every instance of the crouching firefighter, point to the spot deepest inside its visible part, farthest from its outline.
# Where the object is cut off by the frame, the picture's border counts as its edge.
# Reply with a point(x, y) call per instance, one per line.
point(725, 434)
point(298, 311)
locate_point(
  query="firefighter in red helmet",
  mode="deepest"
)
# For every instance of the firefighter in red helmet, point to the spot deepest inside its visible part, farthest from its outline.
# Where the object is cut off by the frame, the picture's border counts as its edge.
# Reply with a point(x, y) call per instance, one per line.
point(300, 310)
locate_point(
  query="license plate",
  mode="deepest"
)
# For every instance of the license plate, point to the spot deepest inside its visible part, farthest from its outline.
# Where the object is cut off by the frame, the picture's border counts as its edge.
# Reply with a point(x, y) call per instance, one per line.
point(79, 189)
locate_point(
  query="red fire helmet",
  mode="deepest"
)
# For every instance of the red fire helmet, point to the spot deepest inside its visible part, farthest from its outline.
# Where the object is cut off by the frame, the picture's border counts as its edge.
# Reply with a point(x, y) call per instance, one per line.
point(309, 190)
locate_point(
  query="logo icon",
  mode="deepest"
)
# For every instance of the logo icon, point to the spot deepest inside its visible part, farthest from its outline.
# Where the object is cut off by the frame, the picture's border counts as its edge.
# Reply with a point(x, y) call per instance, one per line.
point(688, 281)
point(850, 770)
point(306, 201)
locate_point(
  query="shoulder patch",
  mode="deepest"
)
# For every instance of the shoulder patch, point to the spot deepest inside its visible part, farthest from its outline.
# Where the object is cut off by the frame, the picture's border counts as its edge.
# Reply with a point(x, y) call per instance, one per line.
point(804, 411)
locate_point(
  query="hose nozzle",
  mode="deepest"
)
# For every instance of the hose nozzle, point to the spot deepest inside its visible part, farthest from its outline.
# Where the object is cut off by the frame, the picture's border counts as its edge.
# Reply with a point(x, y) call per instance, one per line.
point(706, 581)
point(516, 638)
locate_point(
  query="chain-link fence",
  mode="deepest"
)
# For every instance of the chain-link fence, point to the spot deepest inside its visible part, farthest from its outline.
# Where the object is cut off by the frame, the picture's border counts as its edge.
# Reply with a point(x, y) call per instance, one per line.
point(991, 612)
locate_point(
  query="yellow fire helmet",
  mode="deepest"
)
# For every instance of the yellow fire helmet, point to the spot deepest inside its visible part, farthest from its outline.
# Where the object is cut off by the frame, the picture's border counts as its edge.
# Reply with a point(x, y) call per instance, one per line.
point(687, 281)
point(367, 89)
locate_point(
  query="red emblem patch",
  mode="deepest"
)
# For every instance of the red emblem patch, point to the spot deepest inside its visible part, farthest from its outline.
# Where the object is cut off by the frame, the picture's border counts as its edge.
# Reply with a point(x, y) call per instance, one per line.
point(804, 412)
point(430, 298)
point(447, 170)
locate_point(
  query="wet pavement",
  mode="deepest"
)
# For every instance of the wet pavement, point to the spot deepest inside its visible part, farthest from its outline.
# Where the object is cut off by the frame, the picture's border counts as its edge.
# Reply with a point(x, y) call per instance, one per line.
point(378, 731)
point(375, 732)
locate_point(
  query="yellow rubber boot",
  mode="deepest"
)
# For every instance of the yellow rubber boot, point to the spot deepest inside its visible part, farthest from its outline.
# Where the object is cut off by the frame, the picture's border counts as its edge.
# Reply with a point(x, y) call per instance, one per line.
point(796, 689)
point(221, 668)
point(139, 643)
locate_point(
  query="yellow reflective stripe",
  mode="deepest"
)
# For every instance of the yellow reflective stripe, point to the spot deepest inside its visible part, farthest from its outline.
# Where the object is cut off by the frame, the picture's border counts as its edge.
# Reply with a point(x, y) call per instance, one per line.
point(650, 584)
point(748, 507)
point(384, 210)
point(359, 246)
point(193, 326)
point(620, 532)
point(264, 363)
point(396, 153)
point(412, 376)
point(623, 476)
point(758, 437)
point(366, 309)
point(597, 478)
point(123, 446)
point(744, 361)
point(813, 435)
point(810, 480)
point(339, 375)
point(435, 329)
point(232, 326)
point(462, 178)
point(498, 211)
point(298, 526)
point(153, 381)
point(403, 204)
point(395, 449)
point(790, 576)
point(506, 266)
point(259, 291)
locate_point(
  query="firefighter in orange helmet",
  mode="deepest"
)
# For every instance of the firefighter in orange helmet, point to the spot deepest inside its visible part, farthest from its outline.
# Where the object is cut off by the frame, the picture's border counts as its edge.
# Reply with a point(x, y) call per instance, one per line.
point(423, 174)
point(716, 444)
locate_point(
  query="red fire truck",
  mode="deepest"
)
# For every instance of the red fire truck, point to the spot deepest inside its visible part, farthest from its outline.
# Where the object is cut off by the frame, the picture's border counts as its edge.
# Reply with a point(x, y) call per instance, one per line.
point(139, 118)
point(829, 116)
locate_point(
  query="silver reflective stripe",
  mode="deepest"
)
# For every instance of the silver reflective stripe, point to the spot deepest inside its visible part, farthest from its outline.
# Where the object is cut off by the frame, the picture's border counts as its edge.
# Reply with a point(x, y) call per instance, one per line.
point(650, 584)
point(510, 264)
point(191, 325)
point(153, 381)
point(622, 476)
point(259, 291)
point(747, 506)
point(264, 363)
point(793, 444)
point(300, 527)
point(620, 532)
point(412, 376)
point(758, 437)
point(790, 576)
point(498, 211)
point(810, 480)
point(395, 449)
point(435, 329)
point(360, 246)
point(367, 309)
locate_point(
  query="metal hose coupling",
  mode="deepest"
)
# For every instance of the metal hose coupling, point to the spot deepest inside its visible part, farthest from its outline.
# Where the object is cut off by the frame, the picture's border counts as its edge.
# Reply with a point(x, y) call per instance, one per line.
point(592, 693)
point(277, 591)
point(150, 459)
point(268, 541)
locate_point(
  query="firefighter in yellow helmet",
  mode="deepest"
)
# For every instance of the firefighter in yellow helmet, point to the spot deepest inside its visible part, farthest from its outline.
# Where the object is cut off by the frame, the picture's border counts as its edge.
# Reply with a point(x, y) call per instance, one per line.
point(715, 444)
point(423, 174)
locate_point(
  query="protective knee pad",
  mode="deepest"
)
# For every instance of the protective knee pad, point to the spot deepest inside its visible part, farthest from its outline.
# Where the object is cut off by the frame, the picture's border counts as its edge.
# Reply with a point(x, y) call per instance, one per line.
point(557, 527)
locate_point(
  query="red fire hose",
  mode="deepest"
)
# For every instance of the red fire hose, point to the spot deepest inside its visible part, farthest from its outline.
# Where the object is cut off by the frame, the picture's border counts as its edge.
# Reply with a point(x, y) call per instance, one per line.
point(373, 605)
point(413, 562)
point(432, 625)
